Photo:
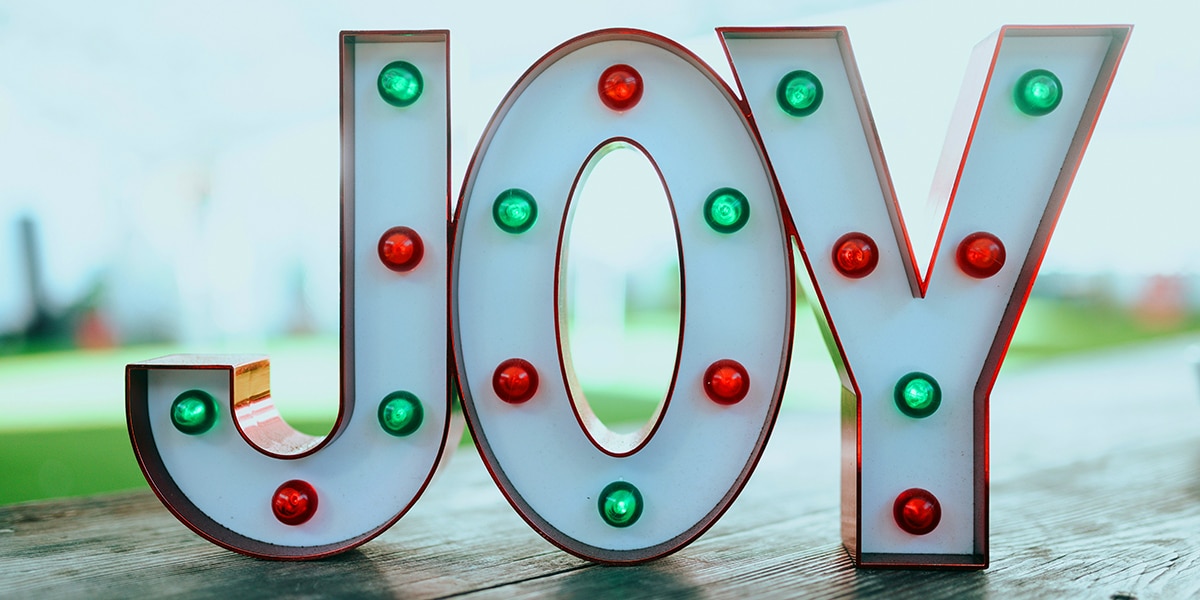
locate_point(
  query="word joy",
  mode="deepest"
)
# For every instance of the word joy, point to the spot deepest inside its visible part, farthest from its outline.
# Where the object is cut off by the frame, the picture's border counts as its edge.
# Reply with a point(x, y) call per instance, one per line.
point(788, 154)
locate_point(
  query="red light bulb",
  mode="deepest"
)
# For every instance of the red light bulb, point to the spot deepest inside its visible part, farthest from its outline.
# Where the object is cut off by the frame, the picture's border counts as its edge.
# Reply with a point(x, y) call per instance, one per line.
point(726, 382)
point(980, 255)
point(401, 249)
point(620, 87)
point(294, 502)
point(917, 511)
point(855, 255)
point(515, 380)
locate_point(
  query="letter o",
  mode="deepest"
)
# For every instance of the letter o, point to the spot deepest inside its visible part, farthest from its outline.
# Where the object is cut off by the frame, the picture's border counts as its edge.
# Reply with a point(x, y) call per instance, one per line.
point(736, 285)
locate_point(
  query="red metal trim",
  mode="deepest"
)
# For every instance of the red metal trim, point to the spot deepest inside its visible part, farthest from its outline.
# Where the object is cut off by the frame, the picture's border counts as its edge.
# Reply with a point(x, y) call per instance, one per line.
point(454, 421)
point(595, 430)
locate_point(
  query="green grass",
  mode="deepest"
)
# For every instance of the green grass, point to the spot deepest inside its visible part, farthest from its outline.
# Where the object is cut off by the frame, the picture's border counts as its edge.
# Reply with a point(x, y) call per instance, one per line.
point(59, 459)
point(71, 462)
point(1051, 328)
point(55, 463)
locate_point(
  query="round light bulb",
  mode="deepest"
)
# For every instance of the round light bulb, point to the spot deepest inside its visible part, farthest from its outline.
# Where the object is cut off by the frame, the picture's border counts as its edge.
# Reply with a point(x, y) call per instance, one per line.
point(401, 249)
point(1038, 92)
point(918, 395)
point(194, 412)
point(620, 504)
point(294, 502)
point(400, 83)
point(855, 255)
point(799, 93)
point(980, 255)
point(726, 210)
point(726, 382)
point(400, 413)
point(514, 210)
point(620, 87)
point(917, 511)
point(515, 381)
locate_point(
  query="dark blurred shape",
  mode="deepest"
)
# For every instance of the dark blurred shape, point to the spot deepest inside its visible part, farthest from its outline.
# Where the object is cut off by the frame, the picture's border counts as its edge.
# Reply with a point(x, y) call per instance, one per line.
point(42, 326)
point(82, 324)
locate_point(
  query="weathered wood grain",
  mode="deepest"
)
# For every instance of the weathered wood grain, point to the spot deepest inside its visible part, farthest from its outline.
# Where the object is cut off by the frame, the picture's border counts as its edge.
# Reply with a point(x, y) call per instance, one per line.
point(1122, 524)
point(1096, 493)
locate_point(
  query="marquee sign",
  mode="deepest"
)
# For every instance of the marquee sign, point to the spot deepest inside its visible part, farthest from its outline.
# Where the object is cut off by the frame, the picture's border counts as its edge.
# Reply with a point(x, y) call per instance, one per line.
point(792, 155)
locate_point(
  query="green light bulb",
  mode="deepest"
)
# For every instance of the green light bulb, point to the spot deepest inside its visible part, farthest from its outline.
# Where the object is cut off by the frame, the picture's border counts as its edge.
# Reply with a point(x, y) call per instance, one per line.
point(799, 93)
point(726, 210)
point(918, 395)
point(194, 412)
point(514, 210)
point(400, 83)
point(1038, 92)
point(400, 413)
point(620, 504)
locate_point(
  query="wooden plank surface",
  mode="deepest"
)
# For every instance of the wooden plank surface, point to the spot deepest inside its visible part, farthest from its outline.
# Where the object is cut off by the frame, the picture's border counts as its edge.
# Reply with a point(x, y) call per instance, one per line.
point(1096, 493)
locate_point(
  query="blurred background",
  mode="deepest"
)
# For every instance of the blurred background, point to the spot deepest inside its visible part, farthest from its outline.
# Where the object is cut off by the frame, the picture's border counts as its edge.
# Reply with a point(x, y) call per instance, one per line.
point(169, 183)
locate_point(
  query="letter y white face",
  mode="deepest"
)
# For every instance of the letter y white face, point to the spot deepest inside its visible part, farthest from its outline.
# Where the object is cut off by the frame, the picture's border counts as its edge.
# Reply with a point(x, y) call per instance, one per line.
point(918, 357)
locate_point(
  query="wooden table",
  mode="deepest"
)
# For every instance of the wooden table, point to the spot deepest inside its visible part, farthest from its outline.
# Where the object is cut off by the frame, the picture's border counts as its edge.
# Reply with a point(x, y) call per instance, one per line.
point(1096, 494)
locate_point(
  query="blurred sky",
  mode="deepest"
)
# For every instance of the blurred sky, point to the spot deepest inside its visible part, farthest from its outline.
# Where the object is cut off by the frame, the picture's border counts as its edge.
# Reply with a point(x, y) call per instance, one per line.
point(185, 156)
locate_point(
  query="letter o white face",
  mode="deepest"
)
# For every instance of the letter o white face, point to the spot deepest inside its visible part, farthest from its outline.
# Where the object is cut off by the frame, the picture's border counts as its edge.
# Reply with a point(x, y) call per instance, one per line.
point(624, 499)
